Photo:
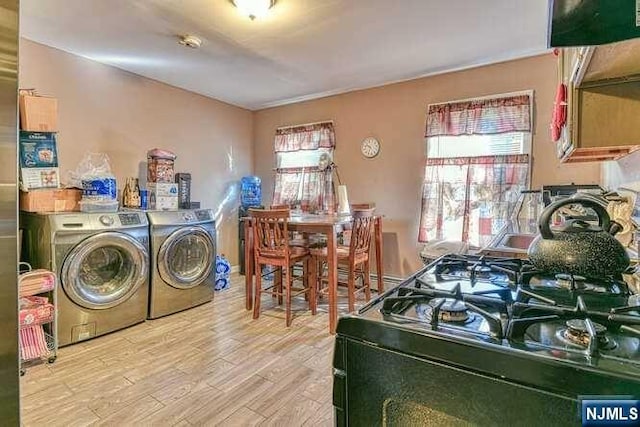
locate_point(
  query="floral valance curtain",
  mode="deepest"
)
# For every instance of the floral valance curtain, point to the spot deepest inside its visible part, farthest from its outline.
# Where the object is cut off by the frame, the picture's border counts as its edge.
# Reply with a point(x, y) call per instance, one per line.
point(305, 137)
point(469, 198)
point(480, 117)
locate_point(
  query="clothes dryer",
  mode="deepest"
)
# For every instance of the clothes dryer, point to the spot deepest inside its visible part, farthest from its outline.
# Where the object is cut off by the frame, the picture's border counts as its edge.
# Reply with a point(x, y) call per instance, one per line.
point(183, 253)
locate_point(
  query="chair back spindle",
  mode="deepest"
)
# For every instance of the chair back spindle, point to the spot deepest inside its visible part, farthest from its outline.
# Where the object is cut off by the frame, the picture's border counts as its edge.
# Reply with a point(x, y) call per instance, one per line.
point(271, 234)
point(362, 226)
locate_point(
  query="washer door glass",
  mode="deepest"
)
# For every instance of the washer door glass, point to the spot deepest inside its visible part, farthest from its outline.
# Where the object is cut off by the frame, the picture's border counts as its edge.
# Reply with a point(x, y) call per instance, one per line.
point(185, 259)
point(104, 270)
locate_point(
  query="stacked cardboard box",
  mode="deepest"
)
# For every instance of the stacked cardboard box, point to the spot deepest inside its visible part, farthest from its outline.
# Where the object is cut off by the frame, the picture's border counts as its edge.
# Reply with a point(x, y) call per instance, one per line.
point(163, 191)
point(39, 171)
point(163, 196)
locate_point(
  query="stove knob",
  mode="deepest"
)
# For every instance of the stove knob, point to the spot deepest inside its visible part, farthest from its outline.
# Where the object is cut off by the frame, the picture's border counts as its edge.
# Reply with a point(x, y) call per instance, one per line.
point(106, 220)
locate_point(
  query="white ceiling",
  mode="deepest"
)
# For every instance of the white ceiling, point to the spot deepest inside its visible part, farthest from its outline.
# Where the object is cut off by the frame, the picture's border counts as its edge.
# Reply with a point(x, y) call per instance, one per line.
point(304, 49)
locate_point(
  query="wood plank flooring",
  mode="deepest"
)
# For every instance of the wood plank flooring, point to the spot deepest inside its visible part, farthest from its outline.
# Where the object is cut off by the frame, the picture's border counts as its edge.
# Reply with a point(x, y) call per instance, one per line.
point(211, 365)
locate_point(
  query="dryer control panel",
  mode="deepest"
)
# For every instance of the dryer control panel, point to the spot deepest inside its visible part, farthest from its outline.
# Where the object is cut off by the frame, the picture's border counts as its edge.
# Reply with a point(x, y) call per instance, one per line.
point(188, 216)
point(203, 215)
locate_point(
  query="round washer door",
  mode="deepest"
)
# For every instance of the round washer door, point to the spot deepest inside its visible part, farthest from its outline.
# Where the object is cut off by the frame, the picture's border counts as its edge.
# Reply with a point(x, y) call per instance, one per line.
point(185, 258)
point(104, 270)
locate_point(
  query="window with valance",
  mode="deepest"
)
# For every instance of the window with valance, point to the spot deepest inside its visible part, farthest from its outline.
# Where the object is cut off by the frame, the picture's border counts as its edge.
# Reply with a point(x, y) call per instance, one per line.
point(477, 163)
point(298, 181)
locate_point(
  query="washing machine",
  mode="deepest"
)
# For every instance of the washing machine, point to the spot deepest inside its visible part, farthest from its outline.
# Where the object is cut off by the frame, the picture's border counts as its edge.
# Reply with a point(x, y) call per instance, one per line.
point(183, 252)
point(102, 263)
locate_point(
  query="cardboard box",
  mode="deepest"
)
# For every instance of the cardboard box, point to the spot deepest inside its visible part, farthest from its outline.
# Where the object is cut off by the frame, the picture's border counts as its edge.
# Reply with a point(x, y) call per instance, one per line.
point(54, 200)
point(38, 160)
point(38, 113)
point(163, 189)
point(164, 203)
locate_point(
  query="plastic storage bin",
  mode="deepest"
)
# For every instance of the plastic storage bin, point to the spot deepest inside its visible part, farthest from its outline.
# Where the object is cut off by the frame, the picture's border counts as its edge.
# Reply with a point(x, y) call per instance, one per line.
point(250, 191)
point(160, 165)
point(98, 206)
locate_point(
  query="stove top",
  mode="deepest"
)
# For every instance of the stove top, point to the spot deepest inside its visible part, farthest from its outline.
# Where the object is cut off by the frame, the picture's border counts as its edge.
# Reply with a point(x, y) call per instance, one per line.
point(507, 304)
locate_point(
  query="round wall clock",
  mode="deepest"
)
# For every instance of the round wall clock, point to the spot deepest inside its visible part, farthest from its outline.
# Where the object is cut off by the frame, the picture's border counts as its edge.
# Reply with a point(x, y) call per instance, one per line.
point(370, 147)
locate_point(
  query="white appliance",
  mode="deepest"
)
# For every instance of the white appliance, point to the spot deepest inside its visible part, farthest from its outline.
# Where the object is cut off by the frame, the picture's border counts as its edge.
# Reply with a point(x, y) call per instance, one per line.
point(183, 252)
point(102, 263)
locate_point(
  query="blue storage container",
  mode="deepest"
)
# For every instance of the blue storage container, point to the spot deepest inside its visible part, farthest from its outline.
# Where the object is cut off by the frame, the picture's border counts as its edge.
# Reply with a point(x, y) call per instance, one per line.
point(250, 191)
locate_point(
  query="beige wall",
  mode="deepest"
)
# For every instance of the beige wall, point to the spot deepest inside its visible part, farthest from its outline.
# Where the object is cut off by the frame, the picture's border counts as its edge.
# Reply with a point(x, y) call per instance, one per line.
point(105, 109)
point(623, 172)
point(396, 115)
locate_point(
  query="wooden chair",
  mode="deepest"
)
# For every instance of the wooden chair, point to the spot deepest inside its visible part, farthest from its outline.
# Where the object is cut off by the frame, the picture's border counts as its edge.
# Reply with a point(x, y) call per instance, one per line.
point(354, 257)
point(295, 239)
point(345, 236)
point(271, 247)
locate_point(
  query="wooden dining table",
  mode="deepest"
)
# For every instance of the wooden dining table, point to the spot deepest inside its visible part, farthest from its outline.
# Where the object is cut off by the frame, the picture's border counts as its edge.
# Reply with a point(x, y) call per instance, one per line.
point(330, 226)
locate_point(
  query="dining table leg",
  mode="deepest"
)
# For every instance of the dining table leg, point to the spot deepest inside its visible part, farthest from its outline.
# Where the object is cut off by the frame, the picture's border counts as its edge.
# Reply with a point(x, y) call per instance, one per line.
point(332, 267)
point(248, 266)
point(378, 238)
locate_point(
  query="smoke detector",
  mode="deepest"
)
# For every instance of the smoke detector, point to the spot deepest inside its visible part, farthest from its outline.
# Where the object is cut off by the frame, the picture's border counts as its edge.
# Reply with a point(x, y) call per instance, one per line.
point(188, 40)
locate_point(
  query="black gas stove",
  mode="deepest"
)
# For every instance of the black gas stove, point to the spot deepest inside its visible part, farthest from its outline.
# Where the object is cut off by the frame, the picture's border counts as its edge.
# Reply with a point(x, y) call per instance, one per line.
point(487, 341)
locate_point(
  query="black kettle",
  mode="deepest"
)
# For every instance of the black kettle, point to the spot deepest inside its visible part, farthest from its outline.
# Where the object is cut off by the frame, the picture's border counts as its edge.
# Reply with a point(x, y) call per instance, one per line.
point(579, 247)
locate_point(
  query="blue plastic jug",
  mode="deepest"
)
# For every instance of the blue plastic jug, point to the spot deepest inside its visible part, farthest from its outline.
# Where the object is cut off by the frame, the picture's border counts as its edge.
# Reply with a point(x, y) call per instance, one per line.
point(250, 191)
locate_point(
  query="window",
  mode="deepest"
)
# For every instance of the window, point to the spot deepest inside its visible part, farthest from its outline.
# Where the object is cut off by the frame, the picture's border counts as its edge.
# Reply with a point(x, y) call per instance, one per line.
point(477, 164)
point(298, 180)
point(478, 145)
point(302, 158)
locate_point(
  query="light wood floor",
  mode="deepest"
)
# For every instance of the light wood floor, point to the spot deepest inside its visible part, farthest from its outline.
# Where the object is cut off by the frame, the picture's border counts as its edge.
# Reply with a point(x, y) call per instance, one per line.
point(211, 365)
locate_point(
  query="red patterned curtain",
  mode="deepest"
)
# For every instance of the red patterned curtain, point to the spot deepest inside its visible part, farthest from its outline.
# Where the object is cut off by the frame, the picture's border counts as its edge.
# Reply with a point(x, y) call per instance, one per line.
point(305, 137)
point(307, 187)
point(470, 198)
point(311, 189)
point(480, 117)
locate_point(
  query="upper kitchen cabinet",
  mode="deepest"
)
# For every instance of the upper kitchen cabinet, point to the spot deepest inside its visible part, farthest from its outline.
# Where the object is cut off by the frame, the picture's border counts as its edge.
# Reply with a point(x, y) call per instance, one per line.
point(603, 102)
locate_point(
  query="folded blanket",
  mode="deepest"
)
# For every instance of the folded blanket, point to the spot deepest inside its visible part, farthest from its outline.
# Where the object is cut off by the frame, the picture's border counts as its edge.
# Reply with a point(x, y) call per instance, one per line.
point(35, 282)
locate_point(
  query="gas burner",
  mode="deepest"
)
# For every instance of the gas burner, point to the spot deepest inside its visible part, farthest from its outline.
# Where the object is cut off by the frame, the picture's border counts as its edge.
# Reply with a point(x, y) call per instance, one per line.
point(453, 311)
point(482, 271)
point(549, 285)
point(570, 281)
point(450, 311)
point(577, 333)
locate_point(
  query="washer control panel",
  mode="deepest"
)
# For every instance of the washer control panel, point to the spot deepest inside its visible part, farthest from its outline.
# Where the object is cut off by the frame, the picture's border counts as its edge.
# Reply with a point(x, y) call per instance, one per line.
point(106, 220)
point(129, 219)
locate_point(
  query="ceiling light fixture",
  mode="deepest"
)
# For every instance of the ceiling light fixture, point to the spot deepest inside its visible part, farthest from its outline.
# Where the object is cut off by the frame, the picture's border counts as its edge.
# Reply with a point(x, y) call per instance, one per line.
point(254, 8)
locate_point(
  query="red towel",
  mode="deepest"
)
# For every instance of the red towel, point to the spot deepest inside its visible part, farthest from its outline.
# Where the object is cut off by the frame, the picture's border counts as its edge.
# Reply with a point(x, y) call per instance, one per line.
point(559, 117)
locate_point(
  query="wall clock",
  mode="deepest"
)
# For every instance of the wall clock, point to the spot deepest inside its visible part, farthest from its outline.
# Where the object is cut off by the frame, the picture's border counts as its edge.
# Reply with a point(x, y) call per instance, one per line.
point(370, 147)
